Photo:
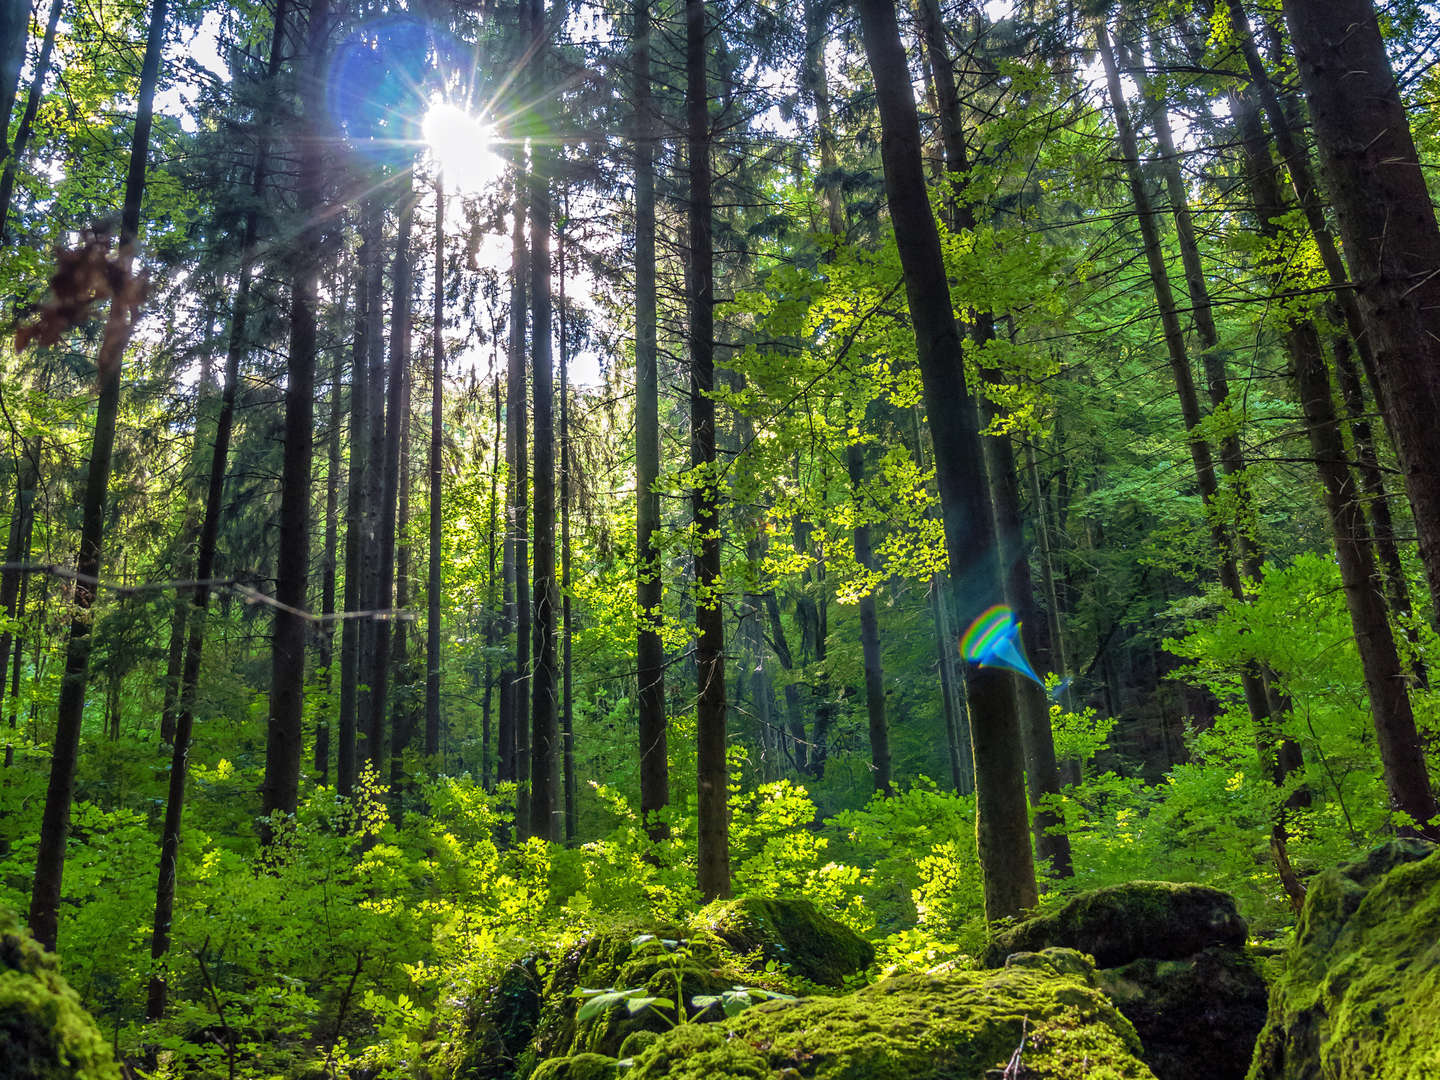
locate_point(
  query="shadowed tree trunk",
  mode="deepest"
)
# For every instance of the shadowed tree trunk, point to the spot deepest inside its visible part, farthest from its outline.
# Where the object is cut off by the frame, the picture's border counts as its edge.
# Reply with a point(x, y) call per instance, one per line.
point(284, 737)
point(55, 823)
point(32, 109)
point(654, 760)
point(437, 432)
point(1007, 865)
point(712, 774)
point(328, 566)
point(567, 702)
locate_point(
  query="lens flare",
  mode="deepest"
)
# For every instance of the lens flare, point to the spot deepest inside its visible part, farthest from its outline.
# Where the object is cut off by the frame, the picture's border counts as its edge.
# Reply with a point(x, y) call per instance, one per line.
point(461, 145)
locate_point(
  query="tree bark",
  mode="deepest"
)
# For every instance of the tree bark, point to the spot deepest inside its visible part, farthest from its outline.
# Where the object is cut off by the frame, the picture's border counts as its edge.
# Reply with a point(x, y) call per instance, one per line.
point(649, 586)
point(880, 770)
point(280, 791)
point(27, 120)
point(1006, 862)
point(567, 702)
point(1388, 227)
point(437, 430)
point(1401, 755)
point(55, 822)
point(712, 773)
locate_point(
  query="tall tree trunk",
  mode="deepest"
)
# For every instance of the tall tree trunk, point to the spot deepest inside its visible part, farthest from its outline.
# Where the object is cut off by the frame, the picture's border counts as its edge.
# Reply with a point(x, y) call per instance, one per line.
point(712, 775)
point(1007, 865)
point(22, 521)
point(514, 752)
point(1042, 776)
point(14, 36)
point(27, 120)
point(355, 628)
point(649, 587)
point(567, 702)
point(328, 567)
point(494, 619)
point(402, 714)
point(437, 430)
point(55, 822)
point(1401, 755)
point(280, 791)
point(545, 735)
point(1388, 226)
point(390, 465)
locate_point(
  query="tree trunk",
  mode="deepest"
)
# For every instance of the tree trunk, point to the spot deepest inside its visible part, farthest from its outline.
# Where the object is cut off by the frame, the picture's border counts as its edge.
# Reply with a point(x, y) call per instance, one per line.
point(1388, 227)
point(1401, 754)
point(395, 414)
point(649, 587)
point(27, 120)
point(402, 714)
point(870, 630)
point(280, 791)
point(22, 521)
point(328, 567)
point(14, 36)
point(712, 774)
point(55, 823)
point(437, 429)
point(545, 735)
point(567, 716)
point(1006, 862)
point(494, 619)
point(354, 629)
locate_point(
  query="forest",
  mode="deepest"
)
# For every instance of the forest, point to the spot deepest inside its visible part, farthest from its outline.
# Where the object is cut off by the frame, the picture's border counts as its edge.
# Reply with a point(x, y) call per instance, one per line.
point(828, 540)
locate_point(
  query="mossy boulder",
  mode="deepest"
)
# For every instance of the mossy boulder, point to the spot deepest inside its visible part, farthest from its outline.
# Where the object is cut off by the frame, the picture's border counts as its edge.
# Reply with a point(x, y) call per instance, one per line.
point(1359, 991)
point(954, 1026)
point(1207, 1008)
point(793, 932)
point(1157, 920)
point(498, 1023)
point(45, 1034)
point(657, 961)
point(578, 1067)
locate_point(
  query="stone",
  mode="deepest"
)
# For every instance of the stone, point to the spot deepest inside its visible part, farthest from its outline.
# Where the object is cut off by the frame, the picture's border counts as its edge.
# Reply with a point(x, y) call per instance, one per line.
point(792, 932)
point(1157, 920)
point(960, 1025)
point(1359, 990)
point(45, 1033)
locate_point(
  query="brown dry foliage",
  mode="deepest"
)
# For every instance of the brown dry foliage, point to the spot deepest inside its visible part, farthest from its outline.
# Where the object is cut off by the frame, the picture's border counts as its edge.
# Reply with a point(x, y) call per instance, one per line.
point(84, 276)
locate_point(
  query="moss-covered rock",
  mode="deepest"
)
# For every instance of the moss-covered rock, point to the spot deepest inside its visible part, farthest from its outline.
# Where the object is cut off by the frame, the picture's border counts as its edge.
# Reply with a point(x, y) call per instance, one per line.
point(498, 1023)
point(1159, 920)
point(578, 1067)
point(955, 1026)
point(1359, 993)
point(659, 962)
point(45, 1034)
point(791, 931)
point(1207, 1008)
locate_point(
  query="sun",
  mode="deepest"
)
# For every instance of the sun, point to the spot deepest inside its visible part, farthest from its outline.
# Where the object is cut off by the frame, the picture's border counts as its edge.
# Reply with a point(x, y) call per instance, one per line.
point(461, 144)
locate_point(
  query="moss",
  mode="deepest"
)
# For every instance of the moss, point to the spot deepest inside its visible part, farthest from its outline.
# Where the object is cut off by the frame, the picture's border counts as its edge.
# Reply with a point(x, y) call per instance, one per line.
point(1206, 1008)
point(955, 1026)
point(791, 931)
point(1156, 919)
point(45, 1034)
point(498, 1023)
point(577, 1067)
point(1359, 995)
point(637, 1042)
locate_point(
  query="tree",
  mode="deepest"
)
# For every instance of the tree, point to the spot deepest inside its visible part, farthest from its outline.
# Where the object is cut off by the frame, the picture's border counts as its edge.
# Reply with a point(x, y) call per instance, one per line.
point(1002, 820)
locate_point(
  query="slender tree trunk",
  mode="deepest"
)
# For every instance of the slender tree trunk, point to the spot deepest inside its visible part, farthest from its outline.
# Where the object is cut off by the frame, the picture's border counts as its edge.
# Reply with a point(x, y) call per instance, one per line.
point(517, 438)
point(14, 36)
point(567, 716)
point(437, 429)
point(22, 521)
point(402, 713)
point(712, 774)
point(494, 618)
point(870, 631)
point(280, 791)
point(654, 756)
point(1006, 862)
point(27, 121)
point(369, 703)
point(328, 567)
point(1401, 754)
point(390, 469)
point(545, 735)
point(354, 629)
point(55, 822)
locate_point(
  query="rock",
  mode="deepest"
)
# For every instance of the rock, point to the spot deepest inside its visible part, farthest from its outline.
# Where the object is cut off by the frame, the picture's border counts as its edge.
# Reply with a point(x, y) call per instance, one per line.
point(45, 1034)
point(578, 1067)
point(1359, 992)
point(792, 932)
point(498, 1024)
point(1172, 959)
point(1206, 1008)
point(1158, 920)
point(956, 1026)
